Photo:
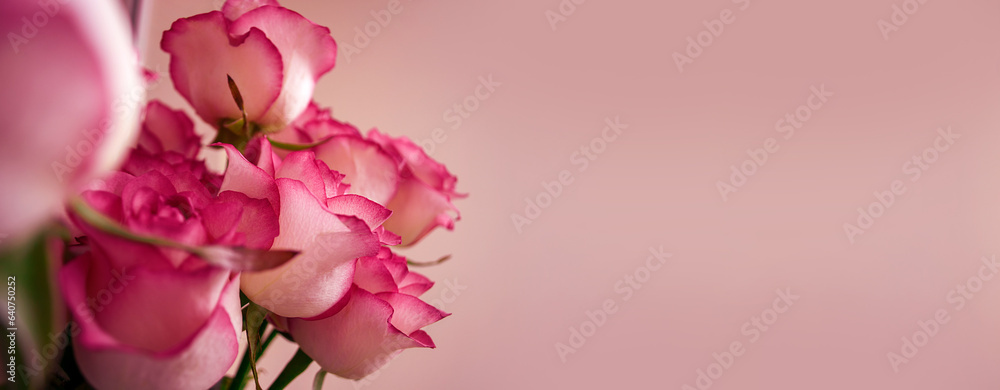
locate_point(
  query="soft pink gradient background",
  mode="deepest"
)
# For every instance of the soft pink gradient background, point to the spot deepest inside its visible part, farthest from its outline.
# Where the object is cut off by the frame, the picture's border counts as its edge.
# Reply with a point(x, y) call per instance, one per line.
point(655, 186)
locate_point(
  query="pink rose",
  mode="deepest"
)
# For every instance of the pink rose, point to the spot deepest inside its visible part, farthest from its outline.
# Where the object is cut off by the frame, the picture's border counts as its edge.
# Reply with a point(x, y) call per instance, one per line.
point(167, 130)
point(157, 317)
point(423, 198)
point(314, 124)
point(382, 317)
point(329, 228)
point(171, 196)
point(147, 324)
point(70, 97)
point(273, 54)
point(369, 169)
point(394, 172)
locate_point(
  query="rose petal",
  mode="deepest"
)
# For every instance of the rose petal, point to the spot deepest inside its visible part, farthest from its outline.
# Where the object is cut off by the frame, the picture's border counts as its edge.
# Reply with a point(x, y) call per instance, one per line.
point(417, 209)
point(242, 176)
point(233, 9)
point(221, 219)
point(302, 166)
point(410, 313)
point(387, 237)
point(268, 160)
point(356, 341)
point(202, 54)
point(165, 130)
point(322, 128)
point(414, 284)
point(370, 171)
point(258, 223)
point(372, 276)
point(321, 275)
point(114, 183)
point(307, 49)
point(422, 166)
point(196, 361)
point(137, 314)
point(61, 80)
point(372, 213)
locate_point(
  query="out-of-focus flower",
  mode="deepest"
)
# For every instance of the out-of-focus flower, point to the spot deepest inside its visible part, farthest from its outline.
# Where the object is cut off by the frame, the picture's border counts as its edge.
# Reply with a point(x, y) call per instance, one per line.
point(71, 97)
point(273, 55)
point(146, 323)
point(382, 317)
point(394, 172)
point(329, 228)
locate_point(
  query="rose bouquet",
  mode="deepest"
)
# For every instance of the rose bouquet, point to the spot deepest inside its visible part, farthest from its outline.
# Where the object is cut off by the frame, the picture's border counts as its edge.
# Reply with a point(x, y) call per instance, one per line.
point(131, 264)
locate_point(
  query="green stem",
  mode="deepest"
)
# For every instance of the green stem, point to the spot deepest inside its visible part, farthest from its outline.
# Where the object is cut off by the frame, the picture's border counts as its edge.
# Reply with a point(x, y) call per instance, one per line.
point(240, 380)
point(108, 225)
point(234, 258)
point(429, 263)
point(98, 220)
point(318, 380)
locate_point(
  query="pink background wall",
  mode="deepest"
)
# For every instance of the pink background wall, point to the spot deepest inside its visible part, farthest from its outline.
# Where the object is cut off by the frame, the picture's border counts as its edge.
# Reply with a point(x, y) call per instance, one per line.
point(656, 185)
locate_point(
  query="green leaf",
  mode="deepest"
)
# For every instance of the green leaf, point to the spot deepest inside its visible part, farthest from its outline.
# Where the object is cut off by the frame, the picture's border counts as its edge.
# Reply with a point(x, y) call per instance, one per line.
point(28, 270)
point(240, 380)
point(240, 259)
point(237, 96)
point(234, 258)
point(297, 147)
point(253, 320)
point(239, 131)
point(296, 366)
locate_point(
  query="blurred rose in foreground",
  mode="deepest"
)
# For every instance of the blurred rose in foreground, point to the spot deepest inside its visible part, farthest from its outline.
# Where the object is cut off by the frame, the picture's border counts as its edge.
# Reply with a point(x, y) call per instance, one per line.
point(149, 325)
point(70, 100)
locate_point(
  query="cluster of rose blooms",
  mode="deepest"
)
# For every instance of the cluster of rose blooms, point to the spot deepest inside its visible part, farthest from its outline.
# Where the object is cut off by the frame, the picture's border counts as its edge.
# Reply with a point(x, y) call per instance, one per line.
point(301, 221)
